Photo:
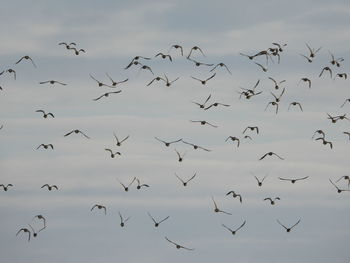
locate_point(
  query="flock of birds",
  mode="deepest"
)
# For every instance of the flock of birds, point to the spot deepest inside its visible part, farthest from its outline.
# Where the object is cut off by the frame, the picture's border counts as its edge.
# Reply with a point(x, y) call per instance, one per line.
point(140, 62)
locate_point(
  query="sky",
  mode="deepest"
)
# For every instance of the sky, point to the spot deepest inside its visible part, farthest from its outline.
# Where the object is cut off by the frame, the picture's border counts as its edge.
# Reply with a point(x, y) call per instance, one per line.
point(112, 33)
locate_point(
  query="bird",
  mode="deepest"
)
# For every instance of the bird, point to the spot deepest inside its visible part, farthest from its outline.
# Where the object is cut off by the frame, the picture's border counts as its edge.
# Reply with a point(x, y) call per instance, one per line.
point(45, 146)
point(41, 217)
point(251, 128)
point(99, 83)
point(10, 70)
point(180, 156)
point(205, 80)
point(305, 80)
point(341, 75)
point(185, 182)
point(176, 46)
point(347, 100)
point(68, 46)
point(164, 56)
point(277, 84)
point(215, 104)
point(264, 53)
point(325, 142)
point(338, 189)
point(135, 59)
point(288, 229)
point(5, 187)
point(157, 223)
point(146, 68)
point(334, 119)
point(205, 122)
point(326, 69)
point(248, 93)
point(318, 132)
point(270, 154)
point(122, 221)
point(306, 57)
point(221, 65)
point(278, 98)
point(76, 132)
point(346, 177)
point(272, 201)
point(53, 82)
point(312, 51)
point(261, 66)
point(113, 154)
point(335, 61)
point(167, 144)
point(235, 195)
point(202, 105)
point(45, 115)
point(167, 82)
point(139, 185)
point(126, 188)
point(273, 103)
point(260, 181)
point(25, 230)
point(99, 207)
point(107, 94)
point(115, 83)
point(77, 51)
point(294, 179)
point(233, 138)
point(177, 245)
point(50, 187)
point(195, 48)
point(119, 143)
point(216, 208)
point(155, 79)
point(195, 146)
point(294, 103)
point(233, 232)
point(279, 46)
point(26, 57)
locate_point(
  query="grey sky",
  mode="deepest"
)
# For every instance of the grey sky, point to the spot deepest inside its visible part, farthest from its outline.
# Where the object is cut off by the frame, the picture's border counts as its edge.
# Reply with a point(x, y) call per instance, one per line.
point(112, 33)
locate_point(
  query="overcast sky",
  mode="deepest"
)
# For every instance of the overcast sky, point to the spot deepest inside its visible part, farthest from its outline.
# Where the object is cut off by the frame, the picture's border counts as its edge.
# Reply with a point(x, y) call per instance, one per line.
point(112, 33)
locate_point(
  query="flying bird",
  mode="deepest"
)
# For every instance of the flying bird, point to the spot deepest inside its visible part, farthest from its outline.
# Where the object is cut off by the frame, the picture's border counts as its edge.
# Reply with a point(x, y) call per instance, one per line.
point(273, 103)
point(235, 195)
point(251, 128)
point(307, 58)
point(5, 187)
point(326, 69)
point(215, 104)
point(176, 46)
point(195, 48)
point(270, 154)
point(325, 142)
point(50, 187)
point(233, 138)
point(180, 156)
point(319, 132)
point(341, 75)
point(312, 51)
point(338, 189)
point(167, 144)
point(126, 188)
point(139, 185)
point(156, 79)
point(45, 146)
point(41, 217)
point(346, 177)
point(122, 220)
point(25, 230)
point(278, 98)
point(258, 180)
point(185, 182)
point(68, 46)
point(272, 201)
point(277, 84)
point(195, 146)
point(167, 82)
point(202, 105)
point(10, 70)
point(77, 51)
point(119, 143)
point(177, 245)
point(26, 57)
point(205, 122)
point(205, 80)
point(233, 232)
point(288, 229)
point(164, 56)
point(99, 83)
point(99, 207)
point(221, 65)
point(113, 154)
point(261, 66)
point(76, 132)
point(305, 80)
point(217, 210)
point(45, 115)
point(107, 94)
point(115, 83)
point(52, 82)
point(157, 223)
point(295, 103)
point(294, 179)
point(335, 61)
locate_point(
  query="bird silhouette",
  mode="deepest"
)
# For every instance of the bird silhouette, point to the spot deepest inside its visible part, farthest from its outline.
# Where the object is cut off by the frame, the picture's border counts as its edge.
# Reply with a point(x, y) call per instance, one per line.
point(205, 122)
point(204, 81)
point(177, 245)
point(139, 185)
point(272, 201)
point(6, 187)
point(45, 115)
point(76, 132)
point(233, 232)
point(45, 146)
point(41, 217)
point(195, 48)
point(122, 220)
point(233, 138)
point(126, 188)
point(99, 83)
point(25, 230)
point(345, 177)
point(26, 57)
point(338, 189)
point(113, 154)
point(195, 146)
point(325, 142)
point(312, 51)
point(119, 143)
point(260, 182)
point(176, 46)
point(234, 195)
point(221, 65)
point(53, 82)
point(294, 179)
point(115, 83)
point(180, 156)
point(157, 223)
point(217, 210)
point(270, 154)
point(50, 187)
point(107, 94)
point(99, 207)
point(185, 182)
point(167, 144)
point(295, 103)
point(202, 105)
point(251, 128)
point(305, 80)
point(288, 229)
